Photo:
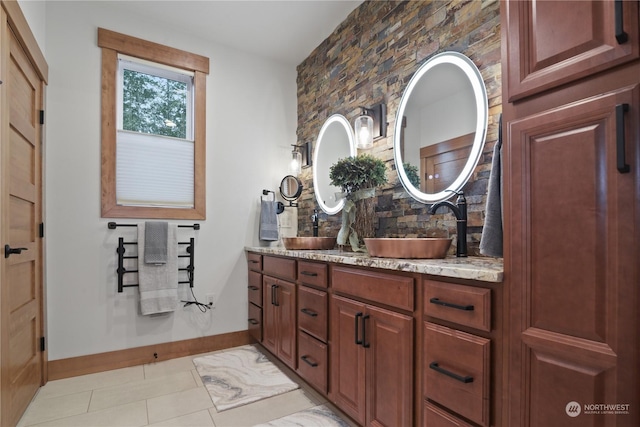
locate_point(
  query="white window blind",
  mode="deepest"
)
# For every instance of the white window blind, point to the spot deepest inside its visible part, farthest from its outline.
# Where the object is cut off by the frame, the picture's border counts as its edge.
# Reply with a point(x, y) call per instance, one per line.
point(153, 169)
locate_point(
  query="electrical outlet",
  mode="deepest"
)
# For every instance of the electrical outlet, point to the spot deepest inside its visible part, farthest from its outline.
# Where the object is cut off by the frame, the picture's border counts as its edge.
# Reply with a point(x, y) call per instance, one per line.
point(211, 300)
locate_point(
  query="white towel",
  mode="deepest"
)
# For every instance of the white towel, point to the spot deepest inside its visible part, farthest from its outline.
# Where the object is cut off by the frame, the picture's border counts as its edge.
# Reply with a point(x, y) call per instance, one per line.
point(158, 284)
point(268, 220)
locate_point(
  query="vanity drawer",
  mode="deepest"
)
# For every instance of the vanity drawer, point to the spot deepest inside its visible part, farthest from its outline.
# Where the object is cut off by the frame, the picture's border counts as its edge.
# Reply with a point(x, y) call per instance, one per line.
point(436, 417)
point(254, 261)
point(312, 317)
point(312, 365)
point(255, 288)
point(457, 370)
point(255, 322)
point(313, 274)
point(283, 268)
point(393, 290)
point(465, 305)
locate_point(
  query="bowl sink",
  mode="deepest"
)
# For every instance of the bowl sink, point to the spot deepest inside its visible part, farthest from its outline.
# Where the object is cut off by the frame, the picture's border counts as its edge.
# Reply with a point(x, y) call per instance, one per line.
point(427, 247)
point(317, 243)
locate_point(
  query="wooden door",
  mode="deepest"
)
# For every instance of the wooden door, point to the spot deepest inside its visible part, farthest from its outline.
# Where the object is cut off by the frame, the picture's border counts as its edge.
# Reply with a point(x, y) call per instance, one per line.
point(269, 313)
point(554, 42)
point(388, 339)
point(348, 387)
point(20, 206)
point(287, 333)
point(573, 263)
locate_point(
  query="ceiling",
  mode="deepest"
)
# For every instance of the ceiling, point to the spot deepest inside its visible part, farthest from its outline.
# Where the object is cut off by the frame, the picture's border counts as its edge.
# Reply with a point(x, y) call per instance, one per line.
point(286, 31)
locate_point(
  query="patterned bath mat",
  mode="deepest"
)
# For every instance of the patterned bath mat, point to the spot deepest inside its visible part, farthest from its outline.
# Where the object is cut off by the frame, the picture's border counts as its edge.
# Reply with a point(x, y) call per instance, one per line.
point(318, 416)
point(240, 376)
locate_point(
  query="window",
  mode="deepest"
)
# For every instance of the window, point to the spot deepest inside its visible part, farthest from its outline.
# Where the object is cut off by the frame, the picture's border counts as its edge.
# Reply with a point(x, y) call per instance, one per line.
point(153, 129)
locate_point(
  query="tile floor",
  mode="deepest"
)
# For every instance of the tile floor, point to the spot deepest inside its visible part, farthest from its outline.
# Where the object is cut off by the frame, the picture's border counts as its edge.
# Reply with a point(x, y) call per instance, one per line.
point(168, 393)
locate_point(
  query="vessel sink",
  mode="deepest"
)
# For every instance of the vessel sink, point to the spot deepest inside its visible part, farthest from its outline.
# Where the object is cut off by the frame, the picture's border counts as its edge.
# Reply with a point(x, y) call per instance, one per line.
point(427, 247)
point(317, 243)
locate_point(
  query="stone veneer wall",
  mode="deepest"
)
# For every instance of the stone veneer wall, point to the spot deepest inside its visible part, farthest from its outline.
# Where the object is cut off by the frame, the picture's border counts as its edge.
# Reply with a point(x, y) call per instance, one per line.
point(369, 59)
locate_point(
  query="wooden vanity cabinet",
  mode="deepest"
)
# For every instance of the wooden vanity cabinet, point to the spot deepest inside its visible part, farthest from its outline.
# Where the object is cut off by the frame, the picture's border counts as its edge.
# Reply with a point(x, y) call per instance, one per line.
point(459, 367)
point(279, 298)
point(571, 157)
point(254, 262)
point(372, 346)
point(313, 323)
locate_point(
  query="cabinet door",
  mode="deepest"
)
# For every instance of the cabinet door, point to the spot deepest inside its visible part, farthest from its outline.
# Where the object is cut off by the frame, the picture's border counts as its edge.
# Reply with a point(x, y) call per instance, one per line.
point(549, 43)
point(286, 318)
point(269, 314)
point(388, 337)
point(573, 263)
point(347, 358)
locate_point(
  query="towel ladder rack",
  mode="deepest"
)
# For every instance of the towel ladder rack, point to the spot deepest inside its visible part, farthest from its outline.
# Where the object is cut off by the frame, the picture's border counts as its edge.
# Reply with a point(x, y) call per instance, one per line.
point(121, 250)
point(122, 271)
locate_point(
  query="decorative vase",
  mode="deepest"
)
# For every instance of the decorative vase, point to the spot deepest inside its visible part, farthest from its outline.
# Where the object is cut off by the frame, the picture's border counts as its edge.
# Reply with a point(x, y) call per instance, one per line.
point(358, 219)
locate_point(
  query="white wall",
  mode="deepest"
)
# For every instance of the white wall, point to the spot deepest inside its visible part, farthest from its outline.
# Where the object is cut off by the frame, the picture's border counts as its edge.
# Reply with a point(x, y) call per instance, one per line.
point(35, 13)
point(251, 122)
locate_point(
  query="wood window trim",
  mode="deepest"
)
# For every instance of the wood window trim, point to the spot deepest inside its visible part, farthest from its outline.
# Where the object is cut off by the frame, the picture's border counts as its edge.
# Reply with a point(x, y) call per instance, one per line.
point(113, 43)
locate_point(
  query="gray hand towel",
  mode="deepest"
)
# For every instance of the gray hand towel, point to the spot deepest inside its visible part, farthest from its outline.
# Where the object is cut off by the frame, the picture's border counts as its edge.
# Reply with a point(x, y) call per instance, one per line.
point(158, 283)
point(491, 239)
point(268, 220)
point(155, 242)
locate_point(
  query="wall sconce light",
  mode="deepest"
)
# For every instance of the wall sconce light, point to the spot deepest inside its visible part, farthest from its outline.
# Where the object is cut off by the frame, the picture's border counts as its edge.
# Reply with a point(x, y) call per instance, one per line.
point(296, 161)
point(371, 125)
point(300, 157)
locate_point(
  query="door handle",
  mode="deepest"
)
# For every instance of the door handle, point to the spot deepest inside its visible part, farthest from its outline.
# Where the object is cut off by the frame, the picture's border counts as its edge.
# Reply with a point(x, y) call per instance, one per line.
point(8, 251)
point(621, 162)
point(358, 315)
point(621, 36)
point(275, 295)
point(365, 344)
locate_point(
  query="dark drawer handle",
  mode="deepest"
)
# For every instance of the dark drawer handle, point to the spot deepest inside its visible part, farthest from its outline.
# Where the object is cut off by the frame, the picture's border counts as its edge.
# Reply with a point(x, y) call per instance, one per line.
point(621, 36)
point(358, 342)
point(621, 162)
point(253, 288)
point(306, 360)
point(309, 312)
point(253, 321)
point(451, 305)
point(365, 344)
point(435, 367)
point(253, 261)
point(309, 273)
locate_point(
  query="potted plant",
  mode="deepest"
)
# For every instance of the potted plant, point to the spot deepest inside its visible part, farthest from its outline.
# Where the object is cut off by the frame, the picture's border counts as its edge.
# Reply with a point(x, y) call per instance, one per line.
point(358, 177)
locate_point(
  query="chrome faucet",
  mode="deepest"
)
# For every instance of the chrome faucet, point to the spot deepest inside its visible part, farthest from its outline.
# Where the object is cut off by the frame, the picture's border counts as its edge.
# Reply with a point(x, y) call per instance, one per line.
point(314, 218)
point(460, 211)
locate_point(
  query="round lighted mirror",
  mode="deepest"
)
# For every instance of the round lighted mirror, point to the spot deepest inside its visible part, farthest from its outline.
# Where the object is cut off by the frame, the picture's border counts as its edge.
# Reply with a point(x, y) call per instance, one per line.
point(335, 142)
point(440, 127)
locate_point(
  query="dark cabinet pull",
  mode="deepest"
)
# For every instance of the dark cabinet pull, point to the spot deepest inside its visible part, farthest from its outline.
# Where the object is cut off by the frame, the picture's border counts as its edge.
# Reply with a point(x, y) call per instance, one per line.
point(365, 344)
point(253, 261)
point(435, 367)
point(274, 295)
point(621, 36)
point(8, 251)
point(451, 305)
point(309, 312)
point(253, 288)
point(253, 321)
point(358, 342)
point(306, 360)
point(622, 165)
point(309, 273)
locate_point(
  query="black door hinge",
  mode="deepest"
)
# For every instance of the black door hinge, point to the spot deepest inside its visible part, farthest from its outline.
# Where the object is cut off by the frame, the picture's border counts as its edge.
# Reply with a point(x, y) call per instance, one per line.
point(41, 230)
point(42, 344)
point(41, 117)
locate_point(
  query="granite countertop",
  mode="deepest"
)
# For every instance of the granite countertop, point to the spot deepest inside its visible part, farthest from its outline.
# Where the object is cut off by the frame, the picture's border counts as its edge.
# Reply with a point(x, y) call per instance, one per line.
point(472, 268)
